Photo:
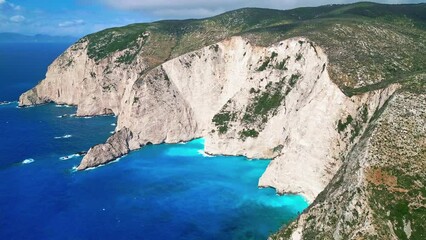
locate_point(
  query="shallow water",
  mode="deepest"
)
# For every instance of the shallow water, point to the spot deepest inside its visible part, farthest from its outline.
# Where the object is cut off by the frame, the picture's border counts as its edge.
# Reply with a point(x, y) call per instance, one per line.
point(168, 191)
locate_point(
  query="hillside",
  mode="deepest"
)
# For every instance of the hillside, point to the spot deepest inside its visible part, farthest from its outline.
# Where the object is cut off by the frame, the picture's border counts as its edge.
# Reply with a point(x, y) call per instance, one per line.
point(366, 43)
point(334, 94)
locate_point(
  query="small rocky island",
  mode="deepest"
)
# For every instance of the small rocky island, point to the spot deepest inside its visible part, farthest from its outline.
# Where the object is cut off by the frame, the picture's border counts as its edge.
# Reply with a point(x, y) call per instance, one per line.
point(335, 95)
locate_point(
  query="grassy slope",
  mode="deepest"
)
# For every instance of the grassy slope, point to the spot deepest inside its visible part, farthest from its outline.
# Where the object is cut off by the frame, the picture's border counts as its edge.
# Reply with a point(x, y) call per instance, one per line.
point(367, 43)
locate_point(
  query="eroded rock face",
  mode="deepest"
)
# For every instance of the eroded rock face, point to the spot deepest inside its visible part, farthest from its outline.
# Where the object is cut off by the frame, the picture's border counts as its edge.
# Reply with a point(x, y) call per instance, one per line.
point(261, 102)
point(116, 146)
point(96, 88)
point(377, 193)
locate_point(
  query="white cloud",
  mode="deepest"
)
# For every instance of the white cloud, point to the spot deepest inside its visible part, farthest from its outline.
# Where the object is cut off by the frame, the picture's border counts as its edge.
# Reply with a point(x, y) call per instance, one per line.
point(17, 18)
point(72, 23)
point(2, 1)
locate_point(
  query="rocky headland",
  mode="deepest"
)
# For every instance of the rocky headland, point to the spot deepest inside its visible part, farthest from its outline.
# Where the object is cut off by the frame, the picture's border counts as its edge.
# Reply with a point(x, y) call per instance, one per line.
point(323, 102)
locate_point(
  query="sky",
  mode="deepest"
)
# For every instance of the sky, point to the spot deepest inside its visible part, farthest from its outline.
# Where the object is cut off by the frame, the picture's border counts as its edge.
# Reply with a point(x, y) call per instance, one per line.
point(79, 17)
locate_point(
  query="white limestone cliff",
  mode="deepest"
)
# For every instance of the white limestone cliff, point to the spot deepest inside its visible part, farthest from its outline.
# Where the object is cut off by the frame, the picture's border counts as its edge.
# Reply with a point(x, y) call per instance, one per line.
point(96, 88)
point(178, 100)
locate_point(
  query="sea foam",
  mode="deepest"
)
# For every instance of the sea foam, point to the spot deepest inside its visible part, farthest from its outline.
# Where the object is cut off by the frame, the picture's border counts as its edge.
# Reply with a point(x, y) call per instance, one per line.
point(69, 156)
point(204, 153)
point(65, 136)
point(62, 105)
point(27, 161)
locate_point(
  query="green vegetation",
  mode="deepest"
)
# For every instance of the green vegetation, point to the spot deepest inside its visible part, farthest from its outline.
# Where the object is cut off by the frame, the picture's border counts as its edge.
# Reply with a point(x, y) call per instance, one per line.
point(262, 106)
point(282, 65)
point(364, 113)
point(356, 130)
point(264, 64)
point(248, 133)
point(265, 103)
point(221, 120)
point(126, 58)
point(341, 126)
point(106, 42)
point(284, 233)
point(396, 207)
point(400, 156)
point(278, 148)
point(293, 79)
point(371, 49)
point(356, 125)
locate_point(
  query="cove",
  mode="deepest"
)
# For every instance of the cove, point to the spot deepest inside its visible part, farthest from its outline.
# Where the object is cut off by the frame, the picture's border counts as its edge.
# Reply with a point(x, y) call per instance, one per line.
point(167, 191)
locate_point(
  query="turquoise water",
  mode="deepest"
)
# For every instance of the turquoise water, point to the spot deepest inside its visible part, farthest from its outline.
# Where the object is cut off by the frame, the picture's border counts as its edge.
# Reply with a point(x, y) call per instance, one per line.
point(168, 191)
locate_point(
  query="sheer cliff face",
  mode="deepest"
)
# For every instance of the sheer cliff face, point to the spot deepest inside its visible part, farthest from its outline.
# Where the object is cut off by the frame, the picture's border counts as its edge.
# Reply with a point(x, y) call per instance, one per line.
point(276, 102)
point(75, 79)
point(262, 102)
point(377, 193)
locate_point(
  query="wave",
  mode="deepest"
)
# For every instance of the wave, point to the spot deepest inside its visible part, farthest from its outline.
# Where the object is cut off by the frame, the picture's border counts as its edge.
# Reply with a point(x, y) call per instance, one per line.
point(62, 105)
point(70, 156)
point(204, 153)
point(27, 161)
point(9, 104)
point(5, 103)
point(66, 115)
point(65, 136)
point(102, 165)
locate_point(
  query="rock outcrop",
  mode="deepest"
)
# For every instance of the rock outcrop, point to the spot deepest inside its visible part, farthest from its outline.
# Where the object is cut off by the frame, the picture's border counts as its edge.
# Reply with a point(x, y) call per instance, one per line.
point(116, 146)
point(75, 79)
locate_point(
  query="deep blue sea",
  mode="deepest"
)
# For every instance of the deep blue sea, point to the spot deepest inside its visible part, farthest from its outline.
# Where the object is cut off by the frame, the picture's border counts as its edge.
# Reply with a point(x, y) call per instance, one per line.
point(168, 191)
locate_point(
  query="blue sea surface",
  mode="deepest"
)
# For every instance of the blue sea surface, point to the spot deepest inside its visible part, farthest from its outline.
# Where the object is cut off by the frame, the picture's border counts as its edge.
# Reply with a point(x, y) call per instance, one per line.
point(22, 65)
point(168, 191)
